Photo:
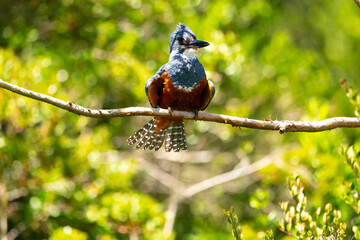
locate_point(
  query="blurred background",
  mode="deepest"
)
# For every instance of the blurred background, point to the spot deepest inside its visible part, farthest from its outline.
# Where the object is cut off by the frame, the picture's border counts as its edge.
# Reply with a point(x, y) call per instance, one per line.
point(73, 177)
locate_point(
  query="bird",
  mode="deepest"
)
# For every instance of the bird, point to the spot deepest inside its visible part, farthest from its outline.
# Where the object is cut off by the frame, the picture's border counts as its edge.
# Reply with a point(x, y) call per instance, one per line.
point(181, 84)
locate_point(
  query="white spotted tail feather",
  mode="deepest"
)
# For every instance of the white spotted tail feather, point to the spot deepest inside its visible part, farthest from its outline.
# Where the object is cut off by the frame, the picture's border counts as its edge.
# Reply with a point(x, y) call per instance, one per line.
point(148, 138)
point(175, 139)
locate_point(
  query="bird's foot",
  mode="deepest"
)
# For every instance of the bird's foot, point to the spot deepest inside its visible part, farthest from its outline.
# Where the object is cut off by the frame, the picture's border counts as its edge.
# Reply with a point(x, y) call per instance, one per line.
point(196, 113)
point(170, 109)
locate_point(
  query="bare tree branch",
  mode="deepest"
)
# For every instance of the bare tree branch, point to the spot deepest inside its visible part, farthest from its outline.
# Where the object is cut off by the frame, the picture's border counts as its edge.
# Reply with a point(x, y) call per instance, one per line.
point(179, 192)
point(3, 212)
point(227, 177)
point(357, 2)
point(17, 193)
point(16, 231)
point(163, 177)
point(281, 126)
point(173, 201)
point(186, 192)
point(186, 157)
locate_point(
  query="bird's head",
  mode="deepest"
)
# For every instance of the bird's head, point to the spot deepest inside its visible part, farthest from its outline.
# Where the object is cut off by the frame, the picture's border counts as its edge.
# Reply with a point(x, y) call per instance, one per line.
point(183, 39)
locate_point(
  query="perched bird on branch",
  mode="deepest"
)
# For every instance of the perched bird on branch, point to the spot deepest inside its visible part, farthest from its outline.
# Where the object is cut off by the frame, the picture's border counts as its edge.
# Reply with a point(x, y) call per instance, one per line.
point(180, 84)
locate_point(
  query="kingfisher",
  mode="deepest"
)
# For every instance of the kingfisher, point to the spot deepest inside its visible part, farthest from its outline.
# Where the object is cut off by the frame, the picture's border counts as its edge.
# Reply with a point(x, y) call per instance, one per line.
point(180, 84)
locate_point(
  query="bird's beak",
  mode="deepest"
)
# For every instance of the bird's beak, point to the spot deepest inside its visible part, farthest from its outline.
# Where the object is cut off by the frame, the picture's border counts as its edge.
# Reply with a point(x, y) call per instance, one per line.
point(198, 44)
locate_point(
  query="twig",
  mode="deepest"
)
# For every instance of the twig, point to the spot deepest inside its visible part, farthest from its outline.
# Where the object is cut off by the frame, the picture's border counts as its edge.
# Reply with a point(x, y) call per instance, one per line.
point(281, 126)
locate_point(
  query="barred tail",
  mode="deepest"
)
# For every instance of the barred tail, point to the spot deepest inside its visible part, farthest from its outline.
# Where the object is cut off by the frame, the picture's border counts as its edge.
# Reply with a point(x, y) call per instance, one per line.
point(147, 137)
point(175, 139)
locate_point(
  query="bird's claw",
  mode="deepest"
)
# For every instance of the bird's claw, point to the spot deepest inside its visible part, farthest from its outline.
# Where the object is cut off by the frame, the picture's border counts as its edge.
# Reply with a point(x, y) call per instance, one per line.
point(196, 113)
point(170, 109)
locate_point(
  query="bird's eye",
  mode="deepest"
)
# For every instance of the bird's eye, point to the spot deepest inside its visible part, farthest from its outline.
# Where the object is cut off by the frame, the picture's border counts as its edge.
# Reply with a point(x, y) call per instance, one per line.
point(180, 39)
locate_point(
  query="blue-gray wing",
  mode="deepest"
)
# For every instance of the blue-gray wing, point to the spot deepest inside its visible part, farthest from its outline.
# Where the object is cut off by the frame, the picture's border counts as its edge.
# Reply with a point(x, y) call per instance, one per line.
point(153, 87)
point(207, 95)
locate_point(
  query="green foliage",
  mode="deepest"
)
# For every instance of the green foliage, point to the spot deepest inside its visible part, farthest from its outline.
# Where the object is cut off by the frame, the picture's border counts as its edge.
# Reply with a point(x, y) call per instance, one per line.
point(268, 235)
point(298, 222)
point(356, 231)
point(352, 157)
point(353, 96)
point(68, 233)
point(234, 221)
point(260, 199)
point(351, 196)
point(324, 222)
point(278, 58)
